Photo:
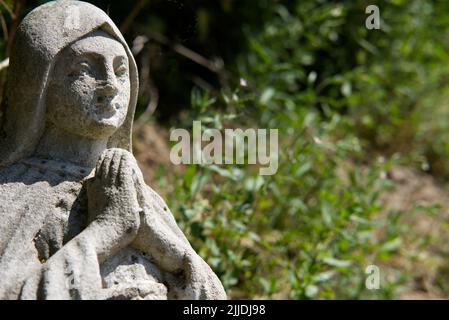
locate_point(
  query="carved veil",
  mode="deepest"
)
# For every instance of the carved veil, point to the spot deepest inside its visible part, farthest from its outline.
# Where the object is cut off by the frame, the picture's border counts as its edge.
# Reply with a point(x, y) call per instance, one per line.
point(44, 33)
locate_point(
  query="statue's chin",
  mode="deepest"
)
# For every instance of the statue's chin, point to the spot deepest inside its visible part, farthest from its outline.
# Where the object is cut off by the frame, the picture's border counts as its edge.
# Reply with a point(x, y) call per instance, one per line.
point(101, 128)
point(105, 111)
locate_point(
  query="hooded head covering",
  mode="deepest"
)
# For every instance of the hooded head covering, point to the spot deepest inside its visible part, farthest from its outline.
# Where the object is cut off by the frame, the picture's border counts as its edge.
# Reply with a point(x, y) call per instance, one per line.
point(42, 34)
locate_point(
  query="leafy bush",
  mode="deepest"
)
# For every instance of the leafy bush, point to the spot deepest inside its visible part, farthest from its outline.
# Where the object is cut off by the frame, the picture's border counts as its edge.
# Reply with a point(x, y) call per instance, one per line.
point(339, 94)
point(348, 103)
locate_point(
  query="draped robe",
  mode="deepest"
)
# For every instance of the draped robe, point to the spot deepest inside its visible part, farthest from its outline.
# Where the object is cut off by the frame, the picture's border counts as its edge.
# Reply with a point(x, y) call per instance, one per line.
point(43, 204)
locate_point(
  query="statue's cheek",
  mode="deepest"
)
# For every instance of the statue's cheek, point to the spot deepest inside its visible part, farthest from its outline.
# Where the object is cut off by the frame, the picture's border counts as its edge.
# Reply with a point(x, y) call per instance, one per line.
point(80, 93)
point(82, 87)
point(123, 100)
point(124, 87)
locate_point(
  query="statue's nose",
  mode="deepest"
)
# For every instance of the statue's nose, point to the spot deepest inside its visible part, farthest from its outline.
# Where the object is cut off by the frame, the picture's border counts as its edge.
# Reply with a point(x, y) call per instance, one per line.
point(107, 89)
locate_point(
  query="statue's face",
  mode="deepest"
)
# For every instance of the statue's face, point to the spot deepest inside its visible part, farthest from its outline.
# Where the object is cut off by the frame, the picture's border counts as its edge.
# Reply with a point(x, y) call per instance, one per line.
point(89, 90)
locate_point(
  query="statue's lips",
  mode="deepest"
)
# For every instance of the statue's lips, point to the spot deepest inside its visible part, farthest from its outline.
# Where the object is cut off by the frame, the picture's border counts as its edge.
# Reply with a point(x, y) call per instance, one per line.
point(105, 109)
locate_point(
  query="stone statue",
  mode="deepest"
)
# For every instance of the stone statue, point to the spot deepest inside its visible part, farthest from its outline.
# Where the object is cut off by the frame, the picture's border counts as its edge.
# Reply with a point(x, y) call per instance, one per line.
point(76, 218)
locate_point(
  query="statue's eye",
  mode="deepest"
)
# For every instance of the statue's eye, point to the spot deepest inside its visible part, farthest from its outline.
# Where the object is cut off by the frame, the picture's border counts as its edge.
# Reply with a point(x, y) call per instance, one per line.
point(121, 70)
point(84, 67)
point(80, 69)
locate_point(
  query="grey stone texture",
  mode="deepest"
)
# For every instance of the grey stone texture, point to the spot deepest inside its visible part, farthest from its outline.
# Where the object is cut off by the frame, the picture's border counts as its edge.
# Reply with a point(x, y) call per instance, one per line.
point(77, 220)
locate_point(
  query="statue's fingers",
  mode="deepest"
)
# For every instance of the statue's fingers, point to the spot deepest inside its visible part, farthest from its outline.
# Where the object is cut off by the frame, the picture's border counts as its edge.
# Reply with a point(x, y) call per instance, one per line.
point(114, 167)
point(105, 166)
point(99, 166)
point(140, 192)
point(125, 172)
point(91, 184)
point(137, 176)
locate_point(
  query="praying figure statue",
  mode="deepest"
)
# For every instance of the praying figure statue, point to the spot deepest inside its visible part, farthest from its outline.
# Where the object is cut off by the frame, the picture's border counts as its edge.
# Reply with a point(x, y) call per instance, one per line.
point(77, 220)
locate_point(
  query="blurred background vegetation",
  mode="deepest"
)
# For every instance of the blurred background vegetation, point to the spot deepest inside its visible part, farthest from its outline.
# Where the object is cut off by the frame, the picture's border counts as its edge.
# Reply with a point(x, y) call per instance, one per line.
point(363, 119)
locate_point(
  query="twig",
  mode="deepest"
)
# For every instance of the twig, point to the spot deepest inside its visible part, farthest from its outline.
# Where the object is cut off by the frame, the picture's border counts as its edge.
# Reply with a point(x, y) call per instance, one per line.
point(216, 65)
point(4, 27)
point(15, 22)
point(7, 8)
point(152, 104)
point(15, 14)
point(4, 64)
point(132, 16)
point(153, 92)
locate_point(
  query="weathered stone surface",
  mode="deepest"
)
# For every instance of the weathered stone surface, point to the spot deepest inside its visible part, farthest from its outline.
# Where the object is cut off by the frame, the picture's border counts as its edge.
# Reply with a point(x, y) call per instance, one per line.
point(76, 218)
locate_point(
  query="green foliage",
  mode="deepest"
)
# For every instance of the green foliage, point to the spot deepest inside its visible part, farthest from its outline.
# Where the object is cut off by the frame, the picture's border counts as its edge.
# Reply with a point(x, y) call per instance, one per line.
point(306, 232)
point(339, 94)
